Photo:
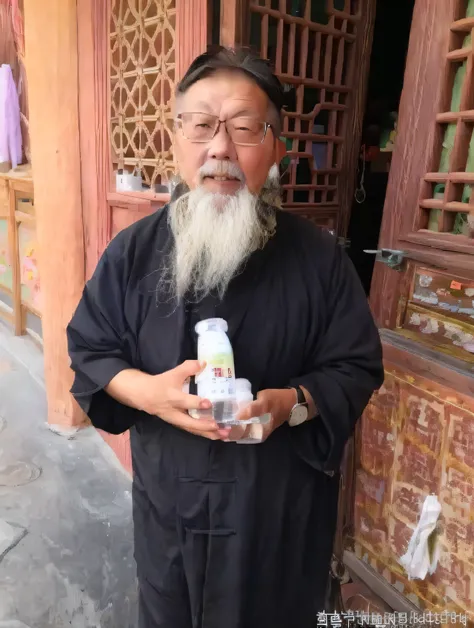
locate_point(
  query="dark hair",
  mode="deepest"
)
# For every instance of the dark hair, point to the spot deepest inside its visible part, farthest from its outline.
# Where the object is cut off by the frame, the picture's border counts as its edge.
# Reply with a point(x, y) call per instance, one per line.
point(243, 59)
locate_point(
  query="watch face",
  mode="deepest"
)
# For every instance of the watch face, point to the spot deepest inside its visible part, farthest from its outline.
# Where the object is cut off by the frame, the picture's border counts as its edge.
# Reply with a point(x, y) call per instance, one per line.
point(299, 414)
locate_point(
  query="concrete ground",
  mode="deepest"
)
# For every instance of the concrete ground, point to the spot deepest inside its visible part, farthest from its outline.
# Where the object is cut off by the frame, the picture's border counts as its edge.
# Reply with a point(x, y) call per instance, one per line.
point(66, 504)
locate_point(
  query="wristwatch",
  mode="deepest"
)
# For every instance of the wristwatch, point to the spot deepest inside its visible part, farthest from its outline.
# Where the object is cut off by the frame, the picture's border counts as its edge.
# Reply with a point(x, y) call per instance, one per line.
point(300, 411)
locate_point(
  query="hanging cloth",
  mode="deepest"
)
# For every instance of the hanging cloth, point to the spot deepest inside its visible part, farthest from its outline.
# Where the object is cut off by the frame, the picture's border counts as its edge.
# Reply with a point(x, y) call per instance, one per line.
point(10, 129)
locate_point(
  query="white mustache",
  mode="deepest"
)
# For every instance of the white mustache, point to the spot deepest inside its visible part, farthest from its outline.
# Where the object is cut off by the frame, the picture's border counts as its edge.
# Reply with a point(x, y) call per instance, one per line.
point(221, 169)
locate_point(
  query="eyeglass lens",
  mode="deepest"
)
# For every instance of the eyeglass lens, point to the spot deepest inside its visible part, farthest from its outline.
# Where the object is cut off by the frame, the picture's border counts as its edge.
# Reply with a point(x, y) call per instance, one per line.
point(201, 127)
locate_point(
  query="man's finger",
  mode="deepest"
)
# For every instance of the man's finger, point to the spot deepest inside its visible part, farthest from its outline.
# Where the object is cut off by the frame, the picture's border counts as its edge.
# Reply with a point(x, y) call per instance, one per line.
point(223, 433)
point(254, 409)
point(185, 422)
point(190, 368)
point(237, 433)
point(264, 395)
point(184, 401)
point(220, 434)
point(208, 435)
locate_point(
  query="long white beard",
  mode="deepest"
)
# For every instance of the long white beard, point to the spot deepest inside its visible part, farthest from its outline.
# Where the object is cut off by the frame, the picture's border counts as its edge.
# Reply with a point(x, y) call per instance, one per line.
point(214, 235)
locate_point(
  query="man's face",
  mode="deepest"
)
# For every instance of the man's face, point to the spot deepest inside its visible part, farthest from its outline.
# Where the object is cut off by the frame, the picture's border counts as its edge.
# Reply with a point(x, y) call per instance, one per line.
point(228, 95)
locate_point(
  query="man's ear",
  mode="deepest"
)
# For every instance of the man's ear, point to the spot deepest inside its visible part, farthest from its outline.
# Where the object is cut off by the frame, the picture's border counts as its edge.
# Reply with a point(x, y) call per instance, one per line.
point(280, 151)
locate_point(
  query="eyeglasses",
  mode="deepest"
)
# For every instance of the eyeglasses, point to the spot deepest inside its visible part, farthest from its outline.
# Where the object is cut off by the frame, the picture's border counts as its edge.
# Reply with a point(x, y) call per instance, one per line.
point(203, 127)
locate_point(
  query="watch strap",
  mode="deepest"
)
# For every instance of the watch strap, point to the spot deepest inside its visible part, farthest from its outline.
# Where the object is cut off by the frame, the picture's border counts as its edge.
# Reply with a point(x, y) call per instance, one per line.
point(300, 397)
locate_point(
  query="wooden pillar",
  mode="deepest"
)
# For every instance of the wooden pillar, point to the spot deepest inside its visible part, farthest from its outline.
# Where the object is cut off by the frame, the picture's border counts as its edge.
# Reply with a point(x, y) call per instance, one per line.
point(93, 20)
point(52, 69)
point(235, 19)
point(193, 31)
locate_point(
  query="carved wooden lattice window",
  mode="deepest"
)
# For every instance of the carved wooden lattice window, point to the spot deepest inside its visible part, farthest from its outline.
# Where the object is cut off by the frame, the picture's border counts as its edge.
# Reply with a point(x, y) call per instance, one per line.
point(445, 216)
point(310, 42)
point(143, 63)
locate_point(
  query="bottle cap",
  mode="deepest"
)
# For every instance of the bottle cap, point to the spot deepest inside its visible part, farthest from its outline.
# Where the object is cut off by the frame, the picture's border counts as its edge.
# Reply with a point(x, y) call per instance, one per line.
point(211, 324)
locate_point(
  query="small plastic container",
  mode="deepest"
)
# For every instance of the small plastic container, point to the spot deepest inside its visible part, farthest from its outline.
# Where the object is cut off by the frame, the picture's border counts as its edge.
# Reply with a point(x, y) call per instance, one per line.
point(255, 436)
point(244, 395)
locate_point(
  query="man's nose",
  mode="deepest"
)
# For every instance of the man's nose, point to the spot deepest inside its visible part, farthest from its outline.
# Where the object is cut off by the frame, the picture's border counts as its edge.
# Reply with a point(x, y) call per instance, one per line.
point(221, 146)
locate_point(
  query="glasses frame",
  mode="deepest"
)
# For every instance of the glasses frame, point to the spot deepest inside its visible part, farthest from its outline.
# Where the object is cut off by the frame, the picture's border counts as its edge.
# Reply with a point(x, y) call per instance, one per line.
point(179, 121)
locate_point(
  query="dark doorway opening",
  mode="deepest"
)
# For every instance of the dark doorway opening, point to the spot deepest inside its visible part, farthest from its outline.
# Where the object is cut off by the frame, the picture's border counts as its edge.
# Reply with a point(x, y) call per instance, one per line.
point(385, 83)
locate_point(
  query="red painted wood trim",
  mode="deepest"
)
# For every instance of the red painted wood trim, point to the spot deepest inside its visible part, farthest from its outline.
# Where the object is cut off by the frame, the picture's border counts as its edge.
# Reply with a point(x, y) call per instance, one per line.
point(192, 32)
point(93, 18)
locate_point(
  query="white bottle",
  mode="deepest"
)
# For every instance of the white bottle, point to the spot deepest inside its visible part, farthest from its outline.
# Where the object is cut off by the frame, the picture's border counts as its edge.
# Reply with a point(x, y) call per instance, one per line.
point(217, 381)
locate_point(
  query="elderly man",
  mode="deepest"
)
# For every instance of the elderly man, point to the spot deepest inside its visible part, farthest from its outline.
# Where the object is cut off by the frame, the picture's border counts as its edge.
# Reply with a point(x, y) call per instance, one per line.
point(228, 535)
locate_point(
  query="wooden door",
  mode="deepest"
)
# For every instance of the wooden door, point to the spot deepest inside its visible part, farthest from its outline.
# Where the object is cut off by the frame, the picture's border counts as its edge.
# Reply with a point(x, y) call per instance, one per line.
point(320, 50)
point(417, 436)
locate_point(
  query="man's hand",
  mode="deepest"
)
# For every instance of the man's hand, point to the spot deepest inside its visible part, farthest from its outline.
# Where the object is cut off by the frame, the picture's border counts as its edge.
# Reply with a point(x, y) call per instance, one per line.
point(163, 396)
point(277, 403)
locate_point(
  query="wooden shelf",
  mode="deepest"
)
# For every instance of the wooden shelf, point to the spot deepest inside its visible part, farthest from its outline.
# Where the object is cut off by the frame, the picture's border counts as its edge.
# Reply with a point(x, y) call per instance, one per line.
point(18, 186)
point(134, 161)
point(24, 217)
point(130, 197)
point(6, 315)
point(31, 309)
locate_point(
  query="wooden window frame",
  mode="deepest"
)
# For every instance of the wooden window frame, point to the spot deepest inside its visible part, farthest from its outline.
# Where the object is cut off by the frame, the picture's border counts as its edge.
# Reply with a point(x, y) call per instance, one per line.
point(455, 179)
point(330, 191)
point(98, 188)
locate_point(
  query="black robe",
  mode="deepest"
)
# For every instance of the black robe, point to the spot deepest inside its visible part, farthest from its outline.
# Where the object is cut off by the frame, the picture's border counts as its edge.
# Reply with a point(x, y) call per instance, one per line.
point(228, 535)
